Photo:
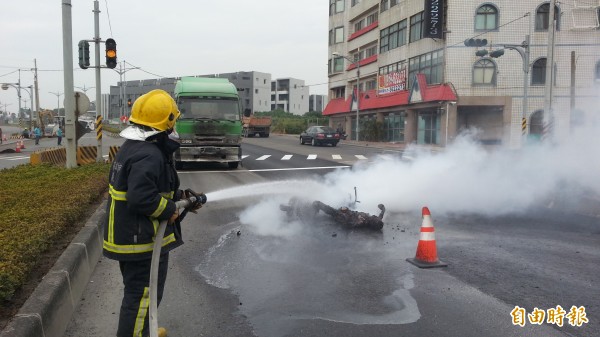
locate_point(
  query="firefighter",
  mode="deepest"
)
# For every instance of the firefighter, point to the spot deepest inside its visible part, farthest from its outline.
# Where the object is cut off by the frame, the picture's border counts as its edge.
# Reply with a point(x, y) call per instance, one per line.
point(143, 188)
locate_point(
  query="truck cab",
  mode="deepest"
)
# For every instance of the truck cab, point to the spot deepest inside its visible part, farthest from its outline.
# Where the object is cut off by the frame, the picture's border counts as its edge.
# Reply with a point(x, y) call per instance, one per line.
point(210, 125)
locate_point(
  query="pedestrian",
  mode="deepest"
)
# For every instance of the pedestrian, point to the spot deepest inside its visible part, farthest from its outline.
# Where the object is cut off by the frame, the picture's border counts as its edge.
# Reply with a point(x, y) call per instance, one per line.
point(143, 188)
point(1, 136)
point(38, 134)
point(59, 135)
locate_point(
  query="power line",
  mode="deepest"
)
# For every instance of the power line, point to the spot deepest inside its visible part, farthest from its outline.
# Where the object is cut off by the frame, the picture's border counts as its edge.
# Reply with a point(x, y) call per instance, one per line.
point(147, 72)
point(108, 15)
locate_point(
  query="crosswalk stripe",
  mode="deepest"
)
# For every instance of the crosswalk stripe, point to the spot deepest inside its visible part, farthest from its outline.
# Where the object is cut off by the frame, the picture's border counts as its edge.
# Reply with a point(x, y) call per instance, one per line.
point(263, 157)
point(336, 156)
point(360, 156)
point(286, 157)
point(312, 157)
point(16, 158)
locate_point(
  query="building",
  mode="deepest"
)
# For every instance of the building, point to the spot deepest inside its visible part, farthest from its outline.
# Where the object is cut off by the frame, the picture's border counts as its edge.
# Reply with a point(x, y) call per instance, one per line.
point(317, 103)
point(425, 84)
point(290, 95)
point(255, 89)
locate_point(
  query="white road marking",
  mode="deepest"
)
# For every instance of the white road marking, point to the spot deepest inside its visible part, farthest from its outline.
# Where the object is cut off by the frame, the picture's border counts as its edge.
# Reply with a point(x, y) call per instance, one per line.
point(244, 156)
point(286, 157)
point(360, 156)
point(16, 158)
point(263, 157)
point(311, 157)
point(267, 170)
point(336, 156)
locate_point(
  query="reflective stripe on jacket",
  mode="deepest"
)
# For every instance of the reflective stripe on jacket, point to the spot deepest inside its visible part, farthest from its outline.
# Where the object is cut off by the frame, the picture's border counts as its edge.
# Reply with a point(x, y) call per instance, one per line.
point(142, 185)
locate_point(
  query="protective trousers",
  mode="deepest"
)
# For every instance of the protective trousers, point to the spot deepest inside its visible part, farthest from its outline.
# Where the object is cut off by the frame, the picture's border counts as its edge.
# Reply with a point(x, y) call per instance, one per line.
point(133, 318)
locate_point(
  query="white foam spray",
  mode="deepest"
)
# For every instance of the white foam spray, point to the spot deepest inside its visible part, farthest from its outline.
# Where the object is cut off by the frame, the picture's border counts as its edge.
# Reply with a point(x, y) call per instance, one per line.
point(465, 177)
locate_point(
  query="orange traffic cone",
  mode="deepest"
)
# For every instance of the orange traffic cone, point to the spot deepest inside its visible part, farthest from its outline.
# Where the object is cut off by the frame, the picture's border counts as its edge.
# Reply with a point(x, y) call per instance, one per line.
point(426, 256)
point(22, 144)
point(18, 149)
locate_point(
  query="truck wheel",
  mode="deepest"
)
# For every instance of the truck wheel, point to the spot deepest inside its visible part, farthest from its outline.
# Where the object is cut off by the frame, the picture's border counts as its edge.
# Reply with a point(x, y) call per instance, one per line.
point(233, 164)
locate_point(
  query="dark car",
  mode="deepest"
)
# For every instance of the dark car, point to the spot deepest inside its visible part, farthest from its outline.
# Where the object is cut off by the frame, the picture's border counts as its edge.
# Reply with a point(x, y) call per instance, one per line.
point(320, 135)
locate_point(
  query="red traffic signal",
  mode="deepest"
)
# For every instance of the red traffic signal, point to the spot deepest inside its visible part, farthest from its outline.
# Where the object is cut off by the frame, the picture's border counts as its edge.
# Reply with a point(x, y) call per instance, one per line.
point(111, 53)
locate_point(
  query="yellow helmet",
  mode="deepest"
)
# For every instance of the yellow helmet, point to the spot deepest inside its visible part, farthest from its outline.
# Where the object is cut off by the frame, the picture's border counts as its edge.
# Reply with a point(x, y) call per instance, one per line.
point(155, 109)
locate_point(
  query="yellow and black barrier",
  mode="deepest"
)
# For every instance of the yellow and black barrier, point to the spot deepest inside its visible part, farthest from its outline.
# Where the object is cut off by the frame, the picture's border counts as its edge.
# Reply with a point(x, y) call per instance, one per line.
point(98, 127)
point(58, 156)
point(86, 154)
point(112, 152)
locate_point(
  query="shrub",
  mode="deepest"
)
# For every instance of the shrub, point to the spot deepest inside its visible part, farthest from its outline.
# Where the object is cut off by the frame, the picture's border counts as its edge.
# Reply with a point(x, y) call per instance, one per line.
point(37, 204)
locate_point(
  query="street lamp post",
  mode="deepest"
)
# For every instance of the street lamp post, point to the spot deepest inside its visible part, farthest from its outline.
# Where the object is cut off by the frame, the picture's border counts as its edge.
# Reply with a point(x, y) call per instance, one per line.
point(357, 65)
point(57, 94)
point(18, 87)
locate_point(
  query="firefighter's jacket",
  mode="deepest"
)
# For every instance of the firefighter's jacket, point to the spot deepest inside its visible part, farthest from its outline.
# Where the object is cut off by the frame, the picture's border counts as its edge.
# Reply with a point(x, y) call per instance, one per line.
point(142, 186)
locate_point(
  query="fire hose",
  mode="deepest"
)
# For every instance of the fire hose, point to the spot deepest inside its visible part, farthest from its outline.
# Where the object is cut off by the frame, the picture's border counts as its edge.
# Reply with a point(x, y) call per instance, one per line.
point(160, 233)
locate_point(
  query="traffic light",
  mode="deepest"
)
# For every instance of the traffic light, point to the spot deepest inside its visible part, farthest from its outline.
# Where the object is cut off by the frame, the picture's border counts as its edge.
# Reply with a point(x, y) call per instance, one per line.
point(111, 53)
point(481, 53)
point(84, 54)
point(497, 53)
point(475, 42)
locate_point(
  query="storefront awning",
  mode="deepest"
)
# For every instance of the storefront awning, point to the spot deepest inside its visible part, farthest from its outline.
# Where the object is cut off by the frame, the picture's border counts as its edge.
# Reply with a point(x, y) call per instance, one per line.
point(370, 100)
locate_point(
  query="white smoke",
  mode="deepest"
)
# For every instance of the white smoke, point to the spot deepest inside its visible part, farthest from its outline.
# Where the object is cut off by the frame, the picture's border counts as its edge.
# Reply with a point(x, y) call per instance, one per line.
point(464, 177)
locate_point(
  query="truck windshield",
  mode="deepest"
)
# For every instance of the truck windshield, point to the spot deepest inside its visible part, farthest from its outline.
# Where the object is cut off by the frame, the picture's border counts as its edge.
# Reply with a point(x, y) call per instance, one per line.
point(206, 108)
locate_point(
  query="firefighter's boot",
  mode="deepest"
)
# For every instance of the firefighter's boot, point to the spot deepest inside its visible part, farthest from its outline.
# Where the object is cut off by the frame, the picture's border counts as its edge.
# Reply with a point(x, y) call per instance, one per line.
point(162, 332)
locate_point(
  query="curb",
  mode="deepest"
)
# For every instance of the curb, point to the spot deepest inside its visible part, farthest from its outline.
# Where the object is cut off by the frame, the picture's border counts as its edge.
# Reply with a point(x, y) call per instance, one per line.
point(49, 308)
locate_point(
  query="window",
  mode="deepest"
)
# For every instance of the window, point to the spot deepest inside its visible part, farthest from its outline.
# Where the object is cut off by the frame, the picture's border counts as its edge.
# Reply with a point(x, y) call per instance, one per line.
point(336, 35)
point(430, 64)
point(486, 18)
point(428, 128)
point(393, 36)
point(336, 6)
point(336, 65)
point(393, 124)
point(384, 6)
point(394, 3)
point(372, 18)
point(370, 84)
point(359, 25)
point(538, 73)
point(392, 68)
point(355, 2)
point(484, 72)
point(542, 17)
point(416, 27)
point(339, 92)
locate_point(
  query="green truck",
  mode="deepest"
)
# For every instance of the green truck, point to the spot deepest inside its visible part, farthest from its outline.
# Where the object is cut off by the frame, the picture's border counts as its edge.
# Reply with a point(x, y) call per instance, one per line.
point(210, 125)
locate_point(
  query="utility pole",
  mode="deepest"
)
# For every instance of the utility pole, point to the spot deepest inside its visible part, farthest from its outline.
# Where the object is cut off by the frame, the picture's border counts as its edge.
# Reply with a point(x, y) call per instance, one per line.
point(67, 31)
point(548, 131)
point(99, 157)
point(37, 91)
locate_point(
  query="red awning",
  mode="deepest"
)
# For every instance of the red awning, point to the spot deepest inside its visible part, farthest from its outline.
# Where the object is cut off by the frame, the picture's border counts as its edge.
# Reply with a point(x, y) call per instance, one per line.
point(337, 105)
point(363, 31)
point(370, 100)
point(363, 62)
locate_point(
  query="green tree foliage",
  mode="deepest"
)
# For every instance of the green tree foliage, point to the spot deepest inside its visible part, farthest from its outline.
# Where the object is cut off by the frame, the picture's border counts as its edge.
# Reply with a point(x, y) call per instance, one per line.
point(371, 130)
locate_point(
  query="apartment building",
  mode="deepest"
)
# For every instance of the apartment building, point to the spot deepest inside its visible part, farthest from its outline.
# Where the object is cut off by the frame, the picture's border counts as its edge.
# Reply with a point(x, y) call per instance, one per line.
point(256, 89)
point(317, 103)
point(418, 77)
point(290, 95)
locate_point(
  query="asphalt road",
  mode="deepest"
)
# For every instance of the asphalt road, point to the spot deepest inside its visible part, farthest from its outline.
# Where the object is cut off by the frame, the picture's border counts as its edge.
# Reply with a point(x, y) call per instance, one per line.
point(287, 277)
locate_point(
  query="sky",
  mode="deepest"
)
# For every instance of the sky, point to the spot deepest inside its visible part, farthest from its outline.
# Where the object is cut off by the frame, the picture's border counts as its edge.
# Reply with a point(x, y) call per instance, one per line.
point(164, 39)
